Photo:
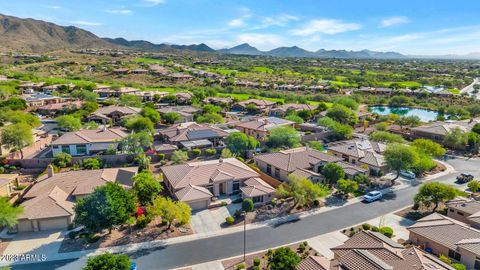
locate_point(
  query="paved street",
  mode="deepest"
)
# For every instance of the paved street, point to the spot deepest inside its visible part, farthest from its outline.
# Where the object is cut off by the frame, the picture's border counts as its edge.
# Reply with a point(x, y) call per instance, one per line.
point(214, 248)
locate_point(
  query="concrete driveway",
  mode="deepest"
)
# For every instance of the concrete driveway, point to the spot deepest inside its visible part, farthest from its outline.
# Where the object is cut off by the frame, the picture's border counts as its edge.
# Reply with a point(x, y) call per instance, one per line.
point(39, 243)
point(210, 221)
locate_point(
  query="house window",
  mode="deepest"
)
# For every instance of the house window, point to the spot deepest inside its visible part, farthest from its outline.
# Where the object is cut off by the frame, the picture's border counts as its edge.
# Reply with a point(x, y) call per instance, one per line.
point(454, 255)
point(81, 149)
point(269, 169)
point(258, 199)
point(236, 186)
point(66, 149)
point(277, 172)
point(476, 266)
point(451, 210)
point(460, 213)
point(210, 188)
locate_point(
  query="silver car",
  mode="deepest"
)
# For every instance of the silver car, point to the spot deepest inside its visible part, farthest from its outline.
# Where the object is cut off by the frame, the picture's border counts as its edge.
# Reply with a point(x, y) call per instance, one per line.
point(372, 196)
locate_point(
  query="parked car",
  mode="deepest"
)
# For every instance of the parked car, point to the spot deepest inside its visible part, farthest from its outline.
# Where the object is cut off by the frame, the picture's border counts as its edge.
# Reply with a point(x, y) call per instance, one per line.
point(408, 174)
point(372, 196)
point(464, 178)
point(133, 266)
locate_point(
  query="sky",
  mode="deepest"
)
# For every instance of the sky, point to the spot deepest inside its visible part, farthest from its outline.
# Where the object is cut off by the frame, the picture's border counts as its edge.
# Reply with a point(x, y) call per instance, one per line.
point(417, 27)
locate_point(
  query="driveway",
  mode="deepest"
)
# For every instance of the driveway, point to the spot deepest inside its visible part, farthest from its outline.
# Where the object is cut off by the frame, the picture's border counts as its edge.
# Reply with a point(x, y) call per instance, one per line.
point(210, 221)
point(39, 243)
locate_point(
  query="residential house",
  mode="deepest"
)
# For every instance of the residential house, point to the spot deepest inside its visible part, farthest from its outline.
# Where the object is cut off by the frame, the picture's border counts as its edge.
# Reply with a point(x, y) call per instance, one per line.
point(438, 130)
point(7, 184)
point(441, 235)
point(183, 98)
point(112, 113)
point(49, 204)
point(54, 108)
point(30, 86)
point(192, 135)
point(284, 109)
point(362, 152)
point(108, 92)
point(149, 96)
point(196, 183)
point(464, 210)
point(374, 251)
point(258, 105)
point(86, 142)
point(302, 161)
point(220, 101)
point(38, 100)
point(186, 113)
point(260, 127)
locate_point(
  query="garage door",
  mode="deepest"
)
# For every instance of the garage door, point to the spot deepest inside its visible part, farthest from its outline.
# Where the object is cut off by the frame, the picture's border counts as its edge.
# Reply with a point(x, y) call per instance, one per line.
point(53, 224)
point(24, 226)
point(198, 205)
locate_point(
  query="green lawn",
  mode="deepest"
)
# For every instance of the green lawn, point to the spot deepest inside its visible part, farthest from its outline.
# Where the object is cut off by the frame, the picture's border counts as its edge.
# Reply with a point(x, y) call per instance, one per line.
point(263, 70)
point(454, 91)
point(146, 60)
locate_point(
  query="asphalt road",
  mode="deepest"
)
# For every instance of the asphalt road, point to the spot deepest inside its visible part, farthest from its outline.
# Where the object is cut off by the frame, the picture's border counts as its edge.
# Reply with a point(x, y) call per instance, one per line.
point(214, 248)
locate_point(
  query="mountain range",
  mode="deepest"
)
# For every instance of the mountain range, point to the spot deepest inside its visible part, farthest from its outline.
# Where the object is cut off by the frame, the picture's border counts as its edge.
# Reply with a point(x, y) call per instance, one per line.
point(30, 35)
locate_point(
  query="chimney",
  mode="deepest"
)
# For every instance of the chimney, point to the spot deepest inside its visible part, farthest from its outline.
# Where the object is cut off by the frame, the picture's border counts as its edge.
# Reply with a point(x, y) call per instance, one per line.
point(50, 171)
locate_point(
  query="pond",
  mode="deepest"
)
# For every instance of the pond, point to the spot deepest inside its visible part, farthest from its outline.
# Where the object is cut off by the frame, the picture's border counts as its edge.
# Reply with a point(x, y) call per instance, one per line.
point(425, 115)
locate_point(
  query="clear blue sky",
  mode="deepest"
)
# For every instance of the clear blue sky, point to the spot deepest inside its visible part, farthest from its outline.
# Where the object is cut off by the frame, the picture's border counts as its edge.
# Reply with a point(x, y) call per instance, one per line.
point(406, 26)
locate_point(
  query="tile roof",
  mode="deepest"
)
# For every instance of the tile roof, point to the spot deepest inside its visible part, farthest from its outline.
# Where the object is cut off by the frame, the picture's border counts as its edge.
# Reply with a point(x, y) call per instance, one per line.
point(206, 172)
point(314, 263)
point(193, 193)
point(442, 128)
point(192, 131)
point(372, 250)
point(357, 148)
point(91, 136)
point(465, 205)
point(81, 182)
point(294, 107)
point(265, 123)
point(297, 158)
point(374, 159)
point(52, 204)
point(256, 187)
point(258, 102)
point(105, 111)
point(448, 232)
point(50, 196)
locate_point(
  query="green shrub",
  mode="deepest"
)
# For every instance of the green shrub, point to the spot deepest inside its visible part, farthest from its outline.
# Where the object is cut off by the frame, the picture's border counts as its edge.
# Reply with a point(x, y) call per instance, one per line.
point(474, 186)
point(375, 229)
point(247, 205)
point(62, 160)
point(196, 152)
point(445, 259)
point(459, 266)
point(255, 267)
point(161, 156)
point(366, 226)
point(256, 262)
point(240, 266)
point(387, 231)
point(210, 152)
point(230, 220)
point(352, 233)
point(143, 221)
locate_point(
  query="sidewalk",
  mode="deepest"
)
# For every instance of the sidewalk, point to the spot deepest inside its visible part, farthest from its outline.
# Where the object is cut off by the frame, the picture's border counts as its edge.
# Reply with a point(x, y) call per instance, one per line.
point(54, 255)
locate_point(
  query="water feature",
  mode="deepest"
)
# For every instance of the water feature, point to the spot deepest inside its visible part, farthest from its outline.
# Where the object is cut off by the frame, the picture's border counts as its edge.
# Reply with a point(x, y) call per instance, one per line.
point(425, 115)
